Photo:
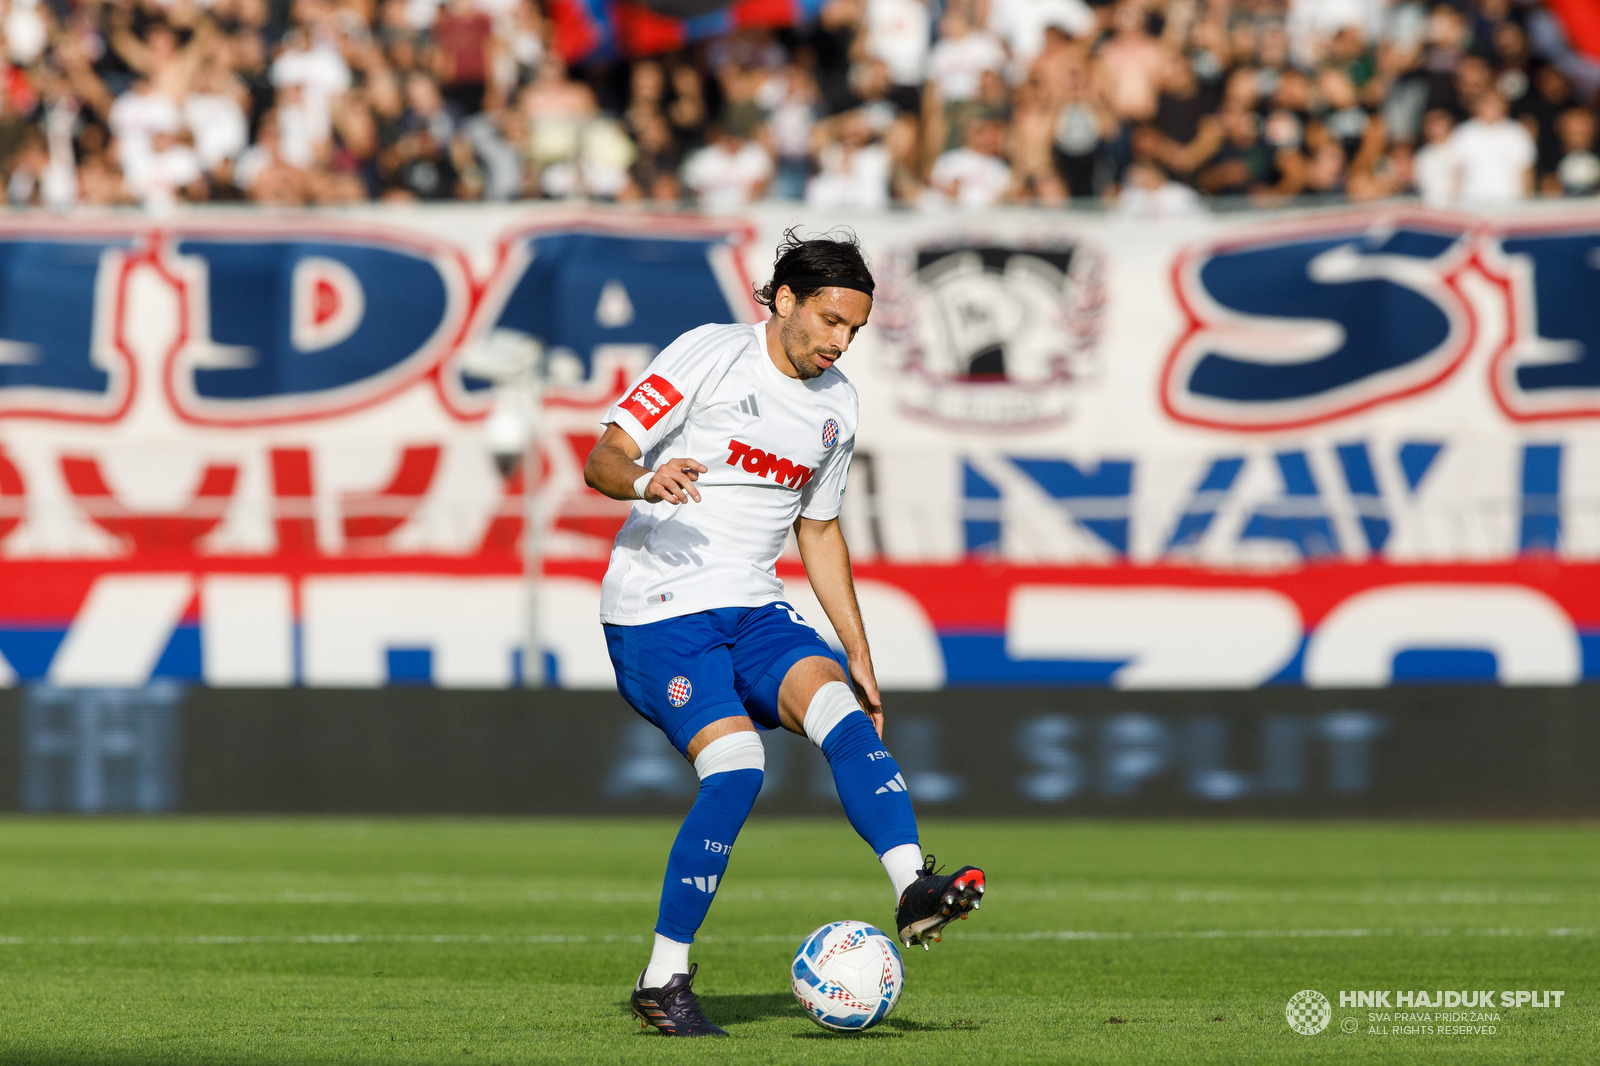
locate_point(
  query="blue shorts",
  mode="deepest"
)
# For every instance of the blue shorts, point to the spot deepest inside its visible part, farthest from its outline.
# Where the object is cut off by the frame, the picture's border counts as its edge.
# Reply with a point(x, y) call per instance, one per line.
point(684, 673)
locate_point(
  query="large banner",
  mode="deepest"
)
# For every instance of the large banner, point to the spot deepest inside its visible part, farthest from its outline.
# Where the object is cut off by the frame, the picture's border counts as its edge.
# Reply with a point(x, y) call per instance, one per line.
point(1342, 449)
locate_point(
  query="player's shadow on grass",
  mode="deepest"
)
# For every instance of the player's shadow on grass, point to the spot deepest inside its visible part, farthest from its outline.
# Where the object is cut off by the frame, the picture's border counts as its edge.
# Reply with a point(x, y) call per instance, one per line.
point(734, 1009)
point(894, 1028)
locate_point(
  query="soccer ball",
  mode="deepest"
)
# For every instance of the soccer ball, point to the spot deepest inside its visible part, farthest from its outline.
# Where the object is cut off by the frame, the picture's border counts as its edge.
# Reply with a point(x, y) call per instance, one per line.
point(847, 976)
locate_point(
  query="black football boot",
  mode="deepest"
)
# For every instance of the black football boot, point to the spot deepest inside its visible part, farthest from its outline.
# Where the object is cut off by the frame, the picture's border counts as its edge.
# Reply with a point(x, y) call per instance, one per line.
point(935, 900)
point(672, 1008)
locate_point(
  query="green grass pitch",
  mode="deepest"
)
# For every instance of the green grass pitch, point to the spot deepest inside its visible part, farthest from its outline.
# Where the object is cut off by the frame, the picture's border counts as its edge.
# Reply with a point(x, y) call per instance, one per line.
point(189, 940)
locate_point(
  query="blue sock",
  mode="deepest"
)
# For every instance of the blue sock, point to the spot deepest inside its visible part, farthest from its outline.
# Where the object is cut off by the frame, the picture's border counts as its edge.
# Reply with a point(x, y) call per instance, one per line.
point(869, 784)
point(699, 856)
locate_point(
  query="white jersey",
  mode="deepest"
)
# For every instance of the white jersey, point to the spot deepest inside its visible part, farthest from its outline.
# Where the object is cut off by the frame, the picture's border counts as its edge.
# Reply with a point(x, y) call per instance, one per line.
point(776, 447)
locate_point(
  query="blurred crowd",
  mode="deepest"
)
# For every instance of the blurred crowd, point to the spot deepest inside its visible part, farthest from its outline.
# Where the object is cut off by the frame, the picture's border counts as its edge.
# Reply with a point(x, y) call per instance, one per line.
point(1151, 106)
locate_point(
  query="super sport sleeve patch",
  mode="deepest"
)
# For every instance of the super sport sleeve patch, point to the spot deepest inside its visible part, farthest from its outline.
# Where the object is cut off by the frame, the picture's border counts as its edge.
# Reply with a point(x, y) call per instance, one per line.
point(651, 399)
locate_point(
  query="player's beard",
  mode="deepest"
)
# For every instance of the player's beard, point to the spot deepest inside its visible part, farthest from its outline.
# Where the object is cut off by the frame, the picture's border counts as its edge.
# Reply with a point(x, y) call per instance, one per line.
point(802, 350)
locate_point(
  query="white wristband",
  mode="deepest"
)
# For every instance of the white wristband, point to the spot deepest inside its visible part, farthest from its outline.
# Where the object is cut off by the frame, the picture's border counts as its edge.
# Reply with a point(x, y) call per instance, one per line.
point(640, 482)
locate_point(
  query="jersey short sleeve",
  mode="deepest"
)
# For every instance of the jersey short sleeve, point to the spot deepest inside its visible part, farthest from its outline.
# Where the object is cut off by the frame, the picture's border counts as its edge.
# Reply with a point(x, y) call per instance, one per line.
point(824, 494)
point(658, 401)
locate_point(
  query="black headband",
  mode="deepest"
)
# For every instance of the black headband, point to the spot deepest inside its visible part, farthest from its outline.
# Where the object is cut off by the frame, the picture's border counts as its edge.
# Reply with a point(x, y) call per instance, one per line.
point(813, 281)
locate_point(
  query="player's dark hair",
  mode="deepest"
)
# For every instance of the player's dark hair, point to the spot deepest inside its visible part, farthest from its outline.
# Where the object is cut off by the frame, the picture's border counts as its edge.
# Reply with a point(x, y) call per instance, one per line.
point(803, 262)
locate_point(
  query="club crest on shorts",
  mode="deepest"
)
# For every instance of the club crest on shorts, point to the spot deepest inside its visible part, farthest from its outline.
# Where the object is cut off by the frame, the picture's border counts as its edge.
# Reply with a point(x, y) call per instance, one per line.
point(992, 331)
point(679, 690)
point(830, 433)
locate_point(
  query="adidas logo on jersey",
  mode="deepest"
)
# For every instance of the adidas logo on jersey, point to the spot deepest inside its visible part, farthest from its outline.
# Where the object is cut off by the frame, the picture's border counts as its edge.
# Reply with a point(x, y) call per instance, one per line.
point(765, 464)
point(704, 884)
point(894, 784)
point(748, 405)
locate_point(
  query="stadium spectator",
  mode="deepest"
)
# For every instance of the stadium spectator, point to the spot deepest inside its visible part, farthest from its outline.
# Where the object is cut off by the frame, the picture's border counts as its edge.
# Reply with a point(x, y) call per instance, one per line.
point(955, 73)
point(1267, 167)
point(654, 172)
point(1494, 155)
point(464, 55)
point(897, 34)
point(855, 168)
point(1083, 134)
point(975, 175)
point(730, 172)
point(1185, 118)
point(1024, 26)
point(1577, 172)
point(1149, 193)
point(790, 99)
point(1131, 66)
point(1436, 168)
point(1550, 97)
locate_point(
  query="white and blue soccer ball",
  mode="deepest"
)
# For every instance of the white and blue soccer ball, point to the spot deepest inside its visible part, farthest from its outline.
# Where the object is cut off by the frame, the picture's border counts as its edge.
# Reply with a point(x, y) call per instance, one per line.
point(847, 976)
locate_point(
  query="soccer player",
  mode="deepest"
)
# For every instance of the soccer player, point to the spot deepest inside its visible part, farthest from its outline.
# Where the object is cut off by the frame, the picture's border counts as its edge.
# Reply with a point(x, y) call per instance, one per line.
point(732, 436)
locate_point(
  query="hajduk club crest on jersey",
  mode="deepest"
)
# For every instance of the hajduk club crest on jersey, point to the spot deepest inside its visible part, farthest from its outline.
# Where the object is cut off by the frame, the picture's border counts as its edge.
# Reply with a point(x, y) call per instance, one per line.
point(830, 433)
point(679, 690)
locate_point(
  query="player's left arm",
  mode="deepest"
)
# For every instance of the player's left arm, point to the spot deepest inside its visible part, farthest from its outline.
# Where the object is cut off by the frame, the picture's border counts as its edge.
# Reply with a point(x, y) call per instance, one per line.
point(827, 561)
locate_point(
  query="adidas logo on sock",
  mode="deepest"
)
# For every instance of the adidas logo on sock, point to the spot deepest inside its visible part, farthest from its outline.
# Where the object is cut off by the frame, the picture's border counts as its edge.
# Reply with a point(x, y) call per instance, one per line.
point(704, 884)
point(894, 784)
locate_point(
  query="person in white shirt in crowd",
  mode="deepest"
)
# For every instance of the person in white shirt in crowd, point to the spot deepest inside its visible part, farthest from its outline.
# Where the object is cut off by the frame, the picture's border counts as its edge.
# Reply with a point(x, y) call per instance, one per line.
point(25, 32)
point(215, 116)
point(897, 32)
point(298, 140)
point(957, 62)
point(1312, 24)
point(264, 175)
point(855, 168)
point(1494, 155)
point(790, 99)
point(1434, 167)
point(956, 66)
point(1149, 193)
point(136, 119)
point(58, 186)
point(1021, 25)
point(730, 173)
point(320, 73)
point(975, 176)
point(174, 167)
point(422, 14)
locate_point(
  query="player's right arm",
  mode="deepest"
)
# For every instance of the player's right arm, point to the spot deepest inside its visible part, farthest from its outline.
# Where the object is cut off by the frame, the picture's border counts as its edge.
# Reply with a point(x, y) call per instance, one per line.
point(613, 468)
point(656, 405)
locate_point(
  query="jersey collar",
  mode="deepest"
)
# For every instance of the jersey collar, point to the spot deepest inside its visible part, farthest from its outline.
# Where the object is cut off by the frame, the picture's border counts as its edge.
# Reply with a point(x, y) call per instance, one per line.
point(778, 377)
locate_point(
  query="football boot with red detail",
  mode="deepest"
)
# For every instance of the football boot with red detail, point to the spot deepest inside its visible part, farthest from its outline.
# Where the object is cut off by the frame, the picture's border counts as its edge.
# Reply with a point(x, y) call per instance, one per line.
point(934, 900)
point(673, 1008)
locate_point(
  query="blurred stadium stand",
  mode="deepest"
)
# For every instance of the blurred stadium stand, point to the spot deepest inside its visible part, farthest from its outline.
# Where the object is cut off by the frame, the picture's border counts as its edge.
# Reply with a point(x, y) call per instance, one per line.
point(1157, 107)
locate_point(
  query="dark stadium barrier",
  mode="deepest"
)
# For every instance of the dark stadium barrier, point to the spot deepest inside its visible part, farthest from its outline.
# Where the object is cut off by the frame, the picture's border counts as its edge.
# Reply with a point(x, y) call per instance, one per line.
point(1423, 751)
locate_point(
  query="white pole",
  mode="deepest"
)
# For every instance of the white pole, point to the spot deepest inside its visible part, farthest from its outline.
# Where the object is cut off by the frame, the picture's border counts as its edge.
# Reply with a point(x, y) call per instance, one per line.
point(533, 673)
